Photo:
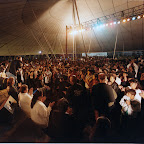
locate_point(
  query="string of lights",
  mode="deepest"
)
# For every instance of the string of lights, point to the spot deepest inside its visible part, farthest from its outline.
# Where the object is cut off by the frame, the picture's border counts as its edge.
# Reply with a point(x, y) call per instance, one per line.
point(127, 15)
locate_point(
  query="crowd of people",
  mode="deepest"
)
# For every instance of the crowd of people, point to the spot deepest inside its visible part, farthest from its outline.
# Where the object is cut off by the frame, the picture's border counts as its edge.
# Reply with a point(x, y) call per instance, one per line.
point(87, 100)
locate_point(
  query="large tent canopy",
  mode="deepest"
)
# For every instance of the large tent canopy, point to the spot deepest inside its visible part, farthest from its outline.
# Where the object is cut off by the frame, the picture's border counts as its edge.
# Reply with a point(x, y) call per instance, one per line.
point(30, 26)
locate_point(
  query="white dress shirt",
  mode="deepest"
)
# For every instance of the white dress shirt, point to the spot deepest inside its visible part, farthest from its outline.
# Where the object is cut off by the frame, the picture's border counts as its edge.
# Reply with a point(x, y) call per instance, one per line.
point(25, 102)
point(126, 108)
point(40, 113)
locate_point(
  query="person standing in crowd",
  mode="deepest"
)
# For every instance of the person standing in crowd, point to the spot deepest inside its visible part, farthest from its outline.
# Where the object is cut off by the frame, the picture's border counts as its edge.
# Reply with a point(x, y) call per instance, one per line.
point(12, 89)
point(134, 66)
point(39, 112)
point(78, 100)
point(25, 99)
point(103, 97)
point(14, 67)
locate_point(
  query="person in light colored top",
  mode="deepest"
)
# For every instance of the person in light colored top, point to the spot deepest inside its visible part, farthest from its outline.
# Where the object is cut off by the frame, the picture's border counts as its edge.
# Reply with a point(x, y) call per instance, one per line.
point(39, 112)
point(125, 102)
point(133, 85)
point(25, 99)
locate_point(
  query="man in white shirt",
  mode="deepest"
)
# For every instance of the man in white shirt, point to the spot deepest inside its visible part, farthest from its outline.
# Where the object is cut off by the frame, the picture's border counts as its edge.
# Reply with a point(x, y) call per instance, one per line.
point(47, 76)
point(25, 99)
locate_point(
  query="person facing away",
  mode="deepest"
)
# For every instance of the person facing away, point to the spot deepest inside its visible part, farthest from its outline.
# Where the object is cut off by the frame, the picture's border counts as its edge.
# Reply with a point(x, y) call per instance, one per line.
point(13, 67)
point(78, 100)
point(63, 126)
point(103, 96)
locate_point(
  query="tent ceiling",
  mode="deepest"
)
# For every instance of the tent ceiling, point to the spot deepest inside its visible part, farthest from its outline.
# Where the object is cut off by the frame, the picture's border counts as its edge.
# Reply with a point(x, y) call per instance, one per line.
point(30, 26)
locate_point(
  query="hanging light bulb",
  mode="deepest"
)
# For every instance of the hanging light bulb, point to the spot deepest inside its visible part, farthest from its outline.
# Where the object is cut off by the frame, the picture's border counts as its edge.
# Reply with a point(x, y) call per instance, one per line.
point(138, 17)
point(128, 19)
point(124, 20)
point(133, 18)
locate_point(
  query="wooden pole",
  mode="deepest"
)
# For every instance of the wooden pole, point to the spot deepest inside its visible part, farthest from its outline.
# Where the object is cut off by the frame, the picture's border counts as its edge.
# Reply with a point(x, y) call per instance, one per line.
point(66, 42)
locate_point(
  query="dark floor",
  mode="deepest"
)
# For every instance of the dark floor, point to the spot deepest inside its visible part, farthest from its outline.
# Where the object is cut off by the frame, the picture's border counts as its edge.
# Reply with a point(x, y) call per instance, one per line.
point(21, 129)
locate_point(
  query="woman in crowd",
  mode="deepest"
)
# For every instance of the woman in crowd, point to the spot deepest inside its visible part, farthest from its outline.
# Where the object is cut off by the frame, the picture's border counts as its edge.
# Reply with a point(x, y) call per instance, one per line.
point(39, 112)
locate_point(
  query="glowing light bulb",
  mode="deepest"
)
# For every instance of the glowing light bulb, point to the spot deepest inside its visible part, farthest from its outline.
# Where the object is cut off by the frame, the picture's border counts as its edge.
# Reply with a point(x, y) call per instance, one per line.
point(124, 20)
point(133, 18)
point(128, 19)
point(118, 22)
point(138, 17)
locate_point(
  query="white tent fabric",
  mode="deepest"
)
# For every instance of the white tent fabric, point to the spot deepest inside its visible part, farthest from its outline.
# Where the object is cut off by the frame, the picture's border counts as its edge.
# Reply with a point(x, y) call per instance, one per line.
point(30, 26)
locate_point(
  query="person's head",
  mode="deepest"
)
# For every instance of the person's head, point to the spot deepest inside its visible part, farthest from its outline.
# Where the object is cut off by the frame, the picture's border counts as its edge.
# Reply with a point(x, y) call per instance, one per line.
point(102, 78)
point(62, 105)
point(125, 74)
point(37, 96)
point(82, 72)
point(40, 76)
point(133, 83)
point(24, 88)
point(112, 78)
point(130, 93)
point(103, 123)
point(19, 58)
point(90, 72)
point(10, 81)
point(73, 79)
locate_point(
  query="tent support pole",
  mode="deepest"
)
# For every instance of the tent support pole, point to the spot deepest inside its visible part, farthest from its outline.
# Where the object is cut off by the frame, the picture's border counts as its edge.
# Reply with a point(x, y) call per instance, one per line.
point(115, 45)
point(66, 41)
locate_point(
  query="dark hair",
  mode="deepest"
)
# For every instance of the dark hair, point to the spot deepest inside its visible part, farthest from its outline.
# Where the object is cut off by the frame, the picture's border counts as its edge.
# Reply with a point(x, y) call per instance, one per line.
point(112, 75)
point(131, 91)
point(9, 81)
point(23, 88)
point(74, 79)
point(37, 94)
point(103, 123)
point(133, 81)
point(62, 104)
point(101, 76)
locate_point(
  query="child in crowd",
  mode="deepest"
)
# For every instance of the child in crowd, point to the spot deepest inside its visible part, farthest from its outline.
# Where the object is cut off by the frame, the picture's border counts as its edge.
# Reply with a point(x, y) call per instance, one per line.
point(130, 109)
point(128, 103)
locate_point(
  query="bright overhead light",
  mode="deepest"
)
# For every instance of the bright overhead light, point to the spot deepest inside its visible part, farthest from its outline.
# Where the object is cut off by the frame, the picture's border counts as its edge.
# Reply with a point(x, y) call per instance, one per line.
point(40, 52)
point(124, 20)
point(143, 15)
point(118, 22)
point(138, 17)
point(133, 18)
point(128, 19)
point(114, 23)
